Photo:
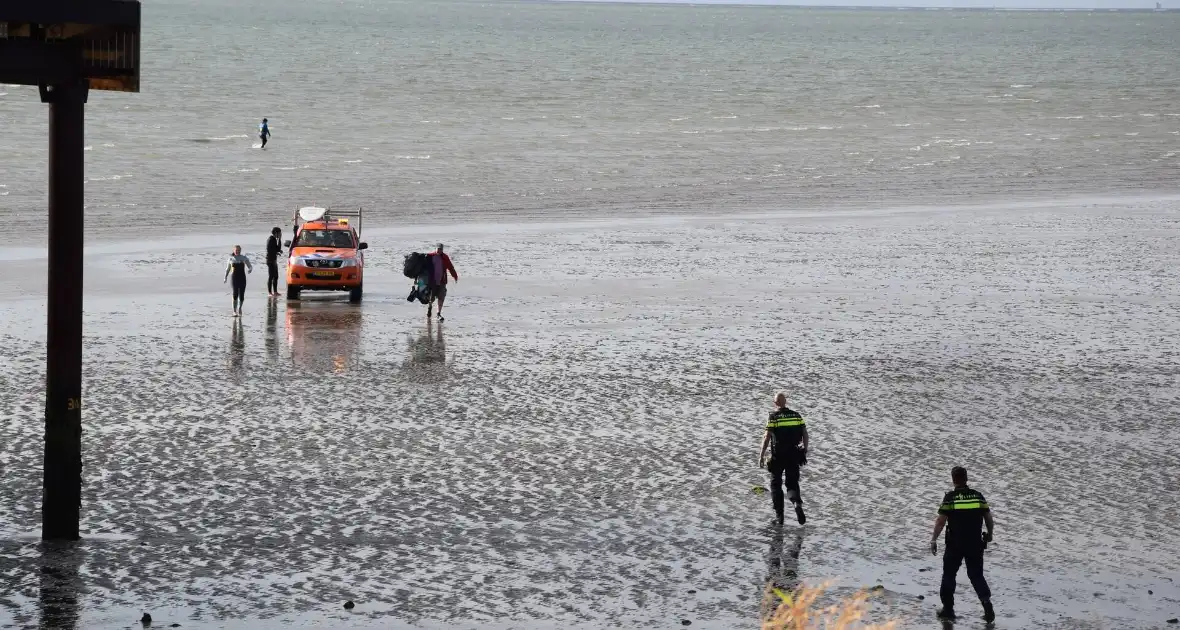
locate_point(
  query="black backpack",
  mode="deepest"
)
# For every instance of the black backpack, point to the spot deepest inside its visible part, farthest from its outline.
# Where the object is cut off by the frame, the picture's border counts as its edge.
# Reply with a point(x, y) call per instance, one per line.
point(416, 263)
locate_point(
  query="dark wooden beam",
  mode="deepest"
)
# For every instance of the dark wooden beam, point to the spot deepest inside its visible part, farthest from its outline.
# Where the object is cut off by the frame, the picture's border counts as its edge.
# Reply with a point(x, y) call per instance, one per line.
point(62, 503)
point(29, 62)
point(97, 12)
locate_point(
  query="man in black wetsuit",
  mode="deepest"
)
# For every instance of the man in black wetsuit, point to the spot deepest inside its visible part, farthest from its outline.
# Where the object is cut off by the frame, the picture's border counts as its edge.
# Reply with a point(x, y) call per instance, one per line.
point(963, 511)
point(239, 266)
point(274, 247)
point(786, 436)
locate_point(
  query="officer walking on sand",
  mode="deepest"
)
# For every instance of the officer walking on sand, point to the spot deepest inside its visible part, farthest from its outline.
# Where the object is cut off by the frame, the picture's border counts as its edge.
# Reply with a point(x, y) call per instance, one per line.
point(786, 436)
point(963, 511)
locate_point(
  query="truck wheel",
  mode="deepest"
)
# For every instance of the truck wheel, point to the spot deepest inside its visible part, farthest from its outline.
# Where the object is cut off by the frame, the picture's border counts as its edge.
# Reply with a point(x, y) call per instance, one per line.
point(354, 295)
point(292, 292)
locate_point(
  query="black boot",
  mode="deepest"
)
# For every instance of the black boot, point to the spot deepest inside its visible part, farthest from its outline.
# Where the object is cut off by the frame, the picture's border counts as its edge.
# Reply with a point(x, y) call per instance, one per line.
point(777, 499)
point(946, 612)
point(989, 615)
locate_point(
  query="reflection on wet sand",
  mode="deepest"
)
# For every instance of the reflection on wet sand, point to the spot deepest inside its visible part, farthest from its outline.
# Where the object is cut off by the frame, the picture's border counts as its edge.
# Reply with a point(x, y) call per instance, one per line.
point(783, 564)
point(427, 359)
point(429, 347)
point(60, 584)
point(324, 336)
point(237, 351)
point(272, 316)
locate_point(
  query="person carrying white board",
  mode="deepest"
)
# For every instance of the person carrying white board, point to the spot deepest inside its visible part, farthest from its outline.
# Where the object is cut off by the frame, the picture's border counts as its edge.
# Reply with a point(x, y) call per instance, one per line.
point(263, 132)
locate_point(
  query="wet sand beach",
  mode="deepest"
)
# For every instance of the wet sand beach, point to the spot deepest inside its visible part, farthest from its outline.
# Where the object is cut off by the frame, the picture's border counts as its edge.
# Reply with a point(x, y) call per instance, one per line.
point(575, 446)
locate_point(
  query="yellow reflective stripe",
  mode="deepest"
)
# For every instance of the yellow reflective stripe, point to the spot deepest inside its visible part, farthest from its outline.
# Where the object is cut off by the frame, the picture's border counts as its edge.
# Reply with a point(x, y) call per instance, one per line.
point(774, 424)
point(969, 505)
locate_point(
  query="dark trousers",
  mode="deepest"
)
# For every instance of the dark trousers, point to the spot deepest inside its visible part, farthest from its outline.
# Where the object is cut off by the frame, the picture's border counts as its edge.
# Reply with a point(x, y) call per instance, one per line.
point(783, 471)
point(272, 277)
point(952, 557)
point(239, 286)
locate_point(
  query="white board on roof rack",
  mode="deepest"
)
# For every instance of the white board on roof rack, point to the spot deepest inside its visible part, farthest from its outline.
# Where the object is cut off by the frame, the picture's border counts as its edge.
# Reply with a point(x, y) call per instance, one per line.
point(311, 213)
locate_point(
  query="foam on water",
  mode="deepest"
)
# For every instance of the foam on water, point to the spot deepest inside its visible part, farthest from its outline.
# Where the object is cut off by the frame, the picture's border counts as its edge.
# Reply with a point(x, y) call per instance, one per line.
point(213, 139)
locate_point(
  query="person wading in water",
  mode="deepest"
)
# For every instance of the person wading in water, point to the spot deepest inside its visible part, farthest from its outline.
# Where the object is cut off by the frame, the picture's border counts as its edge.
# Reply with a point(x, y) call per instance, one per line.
point(239, 266)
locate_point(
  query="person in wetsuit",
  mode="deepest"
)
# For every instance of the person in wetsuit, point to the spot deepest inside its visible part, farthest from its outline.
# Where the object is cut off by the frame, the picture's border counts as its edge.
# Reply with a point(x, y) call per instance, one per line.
point(786, 438)
point(963, 511)
point(274, 247)
point(239, 266)
point(264, 132)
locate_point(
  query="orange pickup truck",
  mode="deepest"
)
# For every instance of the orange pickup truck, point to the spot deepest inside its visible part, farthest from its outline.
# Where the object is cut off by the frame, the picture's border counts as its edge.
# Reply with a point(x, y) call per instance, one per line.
point(326, 253)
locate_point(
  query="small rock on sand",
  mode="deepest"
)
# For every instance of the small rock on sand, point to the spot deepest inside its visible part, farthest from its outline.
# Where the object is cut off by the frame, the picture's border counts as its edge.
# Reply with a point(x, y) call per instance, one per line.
point(348, 605)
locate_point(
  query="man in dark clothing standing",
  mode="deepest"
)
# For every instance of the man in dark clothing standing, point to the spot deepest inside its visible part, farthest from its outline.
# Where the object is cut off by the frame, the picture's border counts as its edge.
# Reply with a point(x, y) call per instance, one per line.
point(274, 247)
point(786, 436)
point(963, 511)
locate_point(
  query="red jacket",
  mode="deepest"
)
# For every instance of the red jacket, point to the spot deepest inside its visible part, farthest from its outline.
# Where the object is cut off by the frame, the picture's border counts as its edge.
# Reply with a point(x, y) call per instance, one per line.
point(447, 266)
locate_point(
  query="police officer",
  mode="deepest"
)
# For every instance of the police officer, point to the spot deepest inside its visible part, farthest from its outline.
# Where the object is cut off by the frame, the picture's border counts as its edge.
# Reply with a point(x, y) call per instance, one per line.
point(963, 511)
point(786, 437)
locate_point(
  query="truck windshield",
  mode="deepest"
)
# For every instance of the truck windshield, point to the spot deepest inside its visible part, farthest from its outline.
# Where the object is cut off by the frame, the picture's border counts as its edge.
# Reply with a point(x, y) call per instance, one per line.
point(324, 238)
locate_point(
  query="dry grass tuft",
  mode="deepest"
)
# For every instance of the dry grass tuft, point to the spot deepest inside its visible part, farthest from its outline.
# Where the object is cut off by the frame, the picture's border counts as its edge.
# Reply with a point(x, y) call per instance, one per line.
point(799, 610)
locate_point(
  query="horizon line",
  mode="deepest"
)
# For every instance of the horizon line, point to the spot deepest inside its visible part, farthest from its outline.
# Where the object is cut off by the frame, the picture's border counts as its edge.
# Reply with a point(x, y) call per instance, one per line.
point(895, 7)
